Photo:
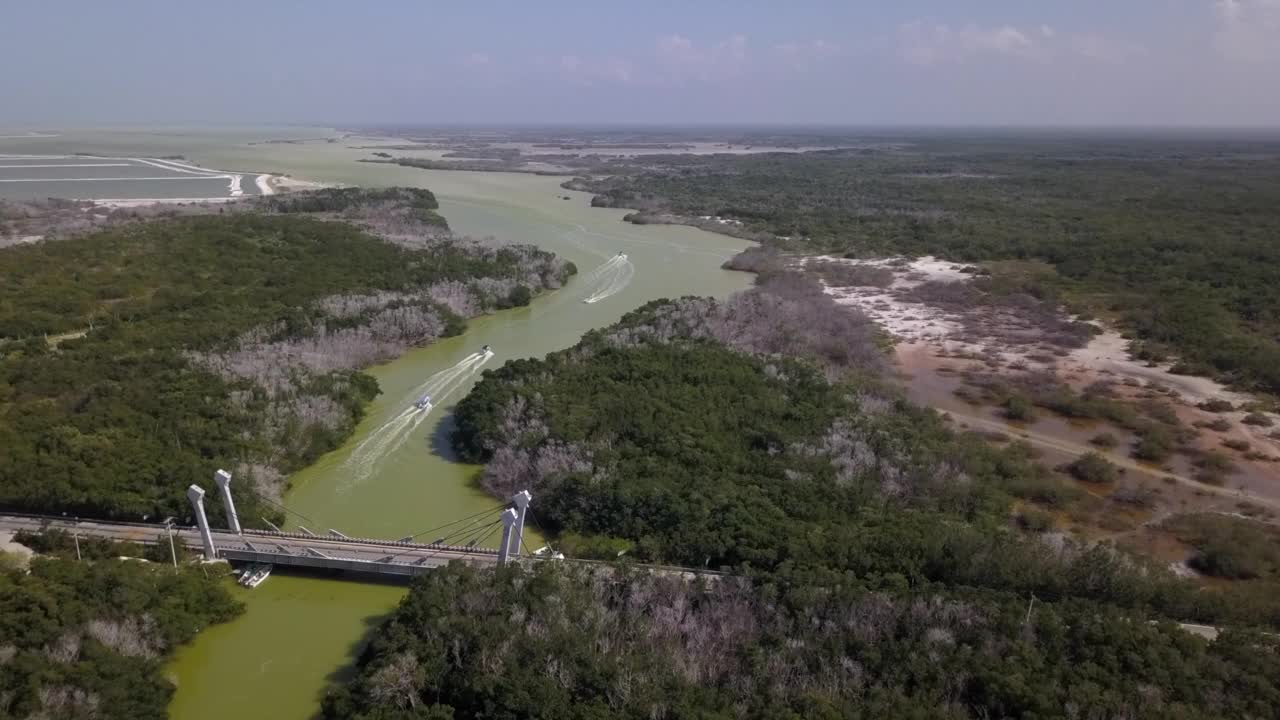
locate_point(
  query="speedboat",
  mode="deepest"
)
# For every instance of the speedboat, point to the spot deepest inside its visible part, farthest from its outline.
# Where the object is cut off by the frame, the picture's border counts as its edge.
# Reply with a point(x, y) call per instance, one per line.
point(485, 350)
point(422, 403)
point(622, 255)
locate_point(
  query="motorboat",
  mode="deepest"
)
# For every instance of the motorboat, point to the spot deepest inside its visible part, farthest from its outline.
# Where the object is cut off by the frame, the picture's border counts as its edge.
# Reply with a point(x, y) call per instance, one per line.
point(255, 575)
point(485, 350)
point(422, 403)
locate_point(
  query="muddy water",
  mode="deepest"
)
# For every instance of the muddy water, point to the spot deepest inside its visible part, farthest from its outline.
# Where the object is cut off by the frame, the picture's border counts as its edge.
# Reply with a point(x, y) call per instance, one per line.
point(299, 633)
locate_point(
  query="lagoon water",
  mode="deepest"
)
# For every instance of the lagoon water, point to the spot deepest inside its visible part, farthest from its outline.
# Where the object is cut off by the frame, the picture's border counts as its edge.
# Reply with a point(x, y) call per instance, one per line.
point(300, 633)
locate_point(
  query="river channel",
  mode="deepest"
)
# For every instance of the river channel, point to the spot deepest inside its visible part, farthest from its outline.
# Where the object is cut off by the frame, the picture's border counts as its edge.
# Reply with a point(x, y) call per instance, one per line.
point(300, 633)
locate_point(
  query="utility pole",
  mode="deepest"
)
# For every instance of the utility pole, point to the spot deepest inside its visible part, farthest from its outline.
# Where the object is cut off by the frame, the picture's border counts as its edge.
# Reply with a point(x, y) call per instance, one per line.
point(1029, 606)
point(173, 553)
point(75, 534)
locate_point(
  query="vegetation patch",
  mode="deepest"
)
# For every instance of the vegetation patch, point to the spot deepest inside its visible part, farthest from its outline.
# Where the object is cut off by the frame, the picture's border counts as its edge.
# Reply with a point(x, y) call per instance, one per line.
point(1093, 468)
point(232, 340)
point(1229, 547)
point(89, 639)
point(633, 644)
point(1258, 419)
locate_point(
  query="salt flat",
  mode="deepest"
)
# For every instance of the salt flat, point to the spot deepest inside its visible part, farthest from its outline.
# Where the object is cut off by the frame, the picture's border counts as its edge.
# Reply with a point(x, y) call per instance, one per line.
point(88, 177)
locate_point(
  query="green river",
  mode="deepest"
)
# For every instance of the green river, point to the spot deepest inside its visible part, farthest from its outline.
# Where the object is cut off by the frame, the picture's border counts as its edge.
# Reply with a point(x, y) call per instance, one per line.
point(300, 633)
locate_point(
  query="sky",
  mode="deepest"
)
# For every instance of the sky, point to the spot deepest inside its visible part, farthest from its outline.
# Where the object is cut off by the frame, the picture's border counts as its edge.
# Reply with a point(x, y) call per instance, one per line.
point(856, 62)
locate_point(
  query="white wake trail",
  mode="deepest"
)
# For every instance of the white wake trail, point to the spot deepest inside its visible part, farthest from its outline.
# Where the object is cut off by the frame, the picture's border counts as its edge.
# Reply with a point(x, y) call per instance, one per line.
point(453, 386)
point(615, 276)
point(366, 456)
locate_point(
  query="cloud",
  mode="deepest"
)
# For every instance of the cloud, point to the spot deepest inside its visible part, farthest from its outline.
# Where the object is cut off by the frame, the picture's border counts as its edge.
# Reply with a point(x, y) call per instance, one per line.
point(590, 72)
point(1099, 47)
point(802, 55)
point(1247, 30)
point(930, 44)
point(674, 61)
point(477, 59)
point(681, 60)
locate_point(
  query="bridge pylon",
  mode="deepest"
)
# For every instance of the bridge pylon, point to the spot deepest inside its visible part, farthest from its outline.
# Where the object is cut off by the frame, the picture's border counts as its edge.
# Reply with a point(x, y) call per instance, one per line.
point(222, 479)
point(196, 495)
point(521, 500)
point(508, 520)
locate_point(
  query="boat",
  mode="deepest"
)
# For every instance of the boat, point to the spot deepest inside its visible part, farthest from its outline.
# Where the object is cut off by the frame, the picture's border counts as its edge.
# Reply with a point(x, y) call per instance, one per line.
point(485, 350)
point(546, 552)
point(422, 403)
point(255, 575)
point(622, 255)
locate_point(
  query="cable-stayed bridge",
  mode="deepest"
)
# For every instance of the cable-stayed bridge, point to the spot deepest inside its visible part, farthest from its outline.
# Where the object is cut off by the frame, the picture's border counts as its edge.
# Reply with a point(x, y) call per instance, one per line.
point(463, 539)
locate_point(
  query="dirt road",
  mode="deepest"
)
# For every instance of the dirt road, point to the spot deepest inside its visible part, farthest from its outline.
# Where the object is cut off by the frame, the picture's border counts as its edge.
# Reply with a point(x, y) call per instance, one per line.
point(1049, 442)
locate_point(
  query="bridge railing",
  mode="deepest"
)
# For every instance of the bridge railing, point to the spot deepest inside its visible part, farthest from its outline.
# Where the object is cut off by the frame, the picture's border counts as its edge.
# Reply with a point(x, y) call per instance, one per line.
point(374, 567)
point(368, 541)
point(154, 527)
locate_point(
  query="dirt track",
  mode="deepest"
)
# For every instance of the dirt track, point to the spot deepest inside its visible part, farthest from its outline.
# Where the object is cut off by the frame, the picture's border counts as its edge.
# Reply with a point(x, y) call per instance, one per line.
point(1074, 449)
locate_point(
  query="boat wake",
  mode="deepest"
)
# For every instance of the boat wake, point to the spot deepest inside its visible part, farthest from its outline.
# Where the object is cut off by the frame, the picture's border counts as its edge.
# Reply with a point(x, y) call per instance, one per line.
point(388, 438)
point(609, 279)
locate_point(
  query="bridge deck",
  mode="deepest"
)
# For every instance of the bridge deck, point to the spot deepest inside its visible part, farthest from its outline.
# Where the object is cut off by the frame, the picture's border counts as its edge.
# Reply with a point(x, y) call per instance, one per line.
point(366, 555)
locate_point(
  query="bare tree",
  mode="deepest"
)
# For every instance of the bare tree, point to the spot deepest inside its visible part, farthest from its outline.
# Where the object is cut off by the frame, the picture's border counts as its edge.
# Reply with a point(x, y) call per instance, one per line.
point(398, 682)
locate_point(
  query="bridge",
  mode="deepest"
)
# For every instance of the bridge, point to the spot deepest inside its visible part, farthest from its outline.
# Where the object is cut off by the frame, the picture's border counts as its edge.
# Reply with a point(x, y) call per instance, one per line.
point(405, 558)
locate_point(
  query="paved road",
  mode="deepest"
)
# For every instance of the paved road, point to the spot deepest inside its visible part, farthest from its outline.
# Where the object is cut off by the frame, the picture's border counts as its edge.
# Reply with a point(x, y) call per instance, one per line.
point(385, 557)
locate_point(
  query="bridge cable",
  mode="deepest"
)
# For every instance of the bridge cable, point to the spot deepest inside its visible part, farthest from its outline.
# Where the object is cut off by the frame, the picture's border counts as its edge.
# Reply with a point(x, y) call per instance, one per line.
point(529, 552)
point(485, 537)
point(534, 517)
point(484, 532)
point(269, 501)
point(465, 533)
point(455, 522)
point(489, 529)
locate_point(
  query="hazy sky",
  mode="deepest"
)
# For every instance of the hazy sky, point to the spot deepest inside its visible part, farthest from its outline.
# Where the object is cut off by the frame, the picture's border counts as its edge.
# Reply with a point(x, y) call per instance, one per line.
point(937, 62)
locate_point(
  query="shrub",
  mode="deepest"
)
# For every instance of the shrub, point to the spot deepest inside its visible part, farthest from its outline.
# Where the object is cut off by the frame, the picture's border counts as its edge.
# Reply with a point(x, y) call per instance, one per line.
point(1141, 496)
point(1155, 443)
point(1217, 424)
point(1213, 467)
point(1216, 406)
point(1104, 440)
point(1229, 547)
point(1162, 412)
point(1093, 468)
point(1018, 409)
point(1235, 444)
point(593, 547)
point(757, 259)
point(1034, 520)
point(520, 296)
point(1257, 419)
point(853, 275)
